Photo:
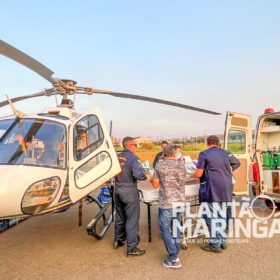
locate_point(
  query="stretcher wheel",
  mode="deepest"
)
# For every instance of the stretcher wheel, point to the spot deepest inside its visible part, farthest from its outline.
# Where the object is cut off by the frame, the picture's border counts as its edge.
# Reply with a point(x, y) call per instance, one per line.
point(184, 247)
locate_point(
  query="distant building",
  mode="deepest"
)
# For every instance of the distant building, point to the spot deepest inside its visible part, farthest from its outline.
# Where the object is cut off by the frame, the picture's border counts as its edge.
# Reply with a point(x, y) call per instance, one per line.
point(143, 140)
point(116, 141)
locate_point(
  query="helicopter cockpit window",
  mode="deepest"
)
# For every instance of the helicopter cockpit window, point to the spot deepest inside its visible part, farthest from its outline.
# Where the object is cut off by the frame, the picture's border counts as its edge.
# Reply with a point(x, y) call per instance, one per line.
point(36, 142)
point(5, 124)
point(88, 136)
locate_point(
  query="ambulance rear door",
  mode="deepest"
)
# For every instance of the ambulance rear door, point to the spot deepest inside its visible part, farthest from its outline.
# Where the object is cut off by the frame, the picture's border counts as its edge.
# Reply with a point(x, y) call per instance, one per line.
point(238, 141)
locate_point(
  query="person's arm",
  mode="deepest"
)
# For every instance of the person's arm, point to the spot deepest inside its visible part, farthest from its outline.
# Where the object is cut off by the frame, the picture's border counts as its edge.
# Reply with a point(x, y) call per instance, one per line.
point(182, 176)
point(158, 155)
point(198, 173)
point(200, 166)
point(155, 181)
point(234, 162)
point(181, 173)
point(137, 170)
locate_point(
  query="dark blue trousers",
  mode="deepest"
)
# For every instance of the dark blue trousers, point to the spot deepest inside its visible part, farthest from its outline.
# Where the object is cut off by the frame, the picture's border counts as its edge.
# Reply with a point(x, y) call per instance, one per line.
point(127, 215)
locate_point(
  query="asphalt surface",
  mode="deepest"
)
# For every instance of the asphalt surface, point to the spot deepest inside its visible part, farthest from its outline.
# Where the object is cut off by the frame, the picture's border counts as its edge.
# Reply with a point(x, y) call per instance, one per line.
point(54, 247)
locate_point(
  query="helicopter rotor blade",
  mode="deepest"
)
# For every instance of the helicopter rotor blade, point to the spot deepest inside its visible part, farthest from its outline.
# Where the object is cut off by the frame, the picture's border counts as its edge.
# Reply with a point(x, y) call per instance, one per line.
point(155, 100)
point(27, 61)
point(20, 98)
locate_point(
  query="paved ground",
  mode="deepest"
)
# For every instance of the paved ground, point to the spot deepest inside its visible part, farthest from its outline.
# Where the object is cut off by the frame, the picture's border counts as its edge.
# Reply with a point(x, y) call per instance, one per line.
point(54, 247)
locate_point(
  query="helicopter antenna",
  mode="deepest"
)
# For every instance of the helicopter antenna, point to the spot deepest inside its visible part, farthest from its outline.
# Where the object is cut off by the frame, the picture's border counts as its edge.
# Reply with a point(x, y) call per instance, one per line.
point(74, 100)
point(56, 99)
point(15, 111)
point(111, 129)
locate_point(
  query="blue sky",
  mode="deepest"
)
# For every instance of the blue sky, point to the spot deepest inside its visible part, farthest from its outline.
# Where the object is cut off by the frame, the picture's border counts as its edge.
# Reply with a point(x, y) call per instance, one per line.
point(218, 55)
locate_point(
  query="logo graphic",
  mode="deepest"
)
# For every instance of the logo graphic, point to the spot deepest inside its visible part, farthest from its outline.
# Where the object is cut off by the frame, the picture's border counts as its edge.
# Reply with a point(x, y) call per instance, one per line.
point(263, 207)
point(240, 220)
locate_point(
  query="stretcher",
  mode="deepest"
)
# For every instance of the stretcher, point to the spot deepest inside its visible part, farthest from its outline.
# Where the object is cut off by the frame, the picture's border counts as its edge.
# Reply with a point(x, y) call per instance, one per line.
point(149, 196)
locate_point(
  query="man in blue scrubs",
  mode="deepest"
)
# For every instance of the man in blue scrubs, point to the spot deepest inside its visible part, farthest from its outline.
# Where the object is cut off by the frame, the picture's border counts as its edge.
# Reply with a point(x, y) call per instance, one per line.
point(214, 168)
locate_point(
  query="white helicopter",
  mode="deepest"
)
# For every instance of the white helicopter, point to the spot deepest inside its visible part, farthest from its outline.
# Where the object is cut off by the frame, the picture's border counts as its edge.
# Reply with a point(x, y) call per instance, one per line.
point(51, 160)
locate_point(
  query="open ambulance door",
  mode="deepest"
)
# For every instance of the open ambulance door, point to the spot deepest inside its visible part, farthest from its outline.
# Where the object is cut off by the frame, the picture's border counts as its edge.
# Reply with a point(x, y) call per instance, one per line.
point(92, 157)
point(238, 141)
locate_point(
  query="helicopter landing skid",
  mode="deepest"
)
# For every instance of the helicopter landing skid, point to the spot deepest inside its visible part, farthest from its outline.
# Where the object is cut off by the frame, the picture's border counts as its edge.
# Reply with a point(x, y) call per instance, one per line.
point(8, 224)
point(93, 228)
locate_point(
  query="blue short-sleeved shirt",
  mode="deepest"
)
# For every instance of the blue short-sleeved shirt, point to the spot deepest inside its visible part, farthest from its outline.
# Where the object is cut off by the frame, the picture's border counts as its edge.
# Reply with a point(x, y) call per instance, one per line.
point(216, 181)
point(131, 169)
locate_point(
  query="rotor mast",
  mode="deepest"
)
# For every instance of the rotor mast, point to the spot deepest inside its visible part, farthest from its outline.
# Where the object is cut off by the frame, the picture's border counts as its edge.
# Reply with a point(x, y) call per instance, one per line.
point(65, 88)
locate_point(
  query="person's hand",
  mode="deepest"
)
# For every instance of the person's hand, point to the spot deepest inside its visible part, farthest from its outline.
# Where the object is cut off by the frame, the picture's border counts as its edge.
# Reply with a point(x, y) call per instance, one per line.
point(150, 177)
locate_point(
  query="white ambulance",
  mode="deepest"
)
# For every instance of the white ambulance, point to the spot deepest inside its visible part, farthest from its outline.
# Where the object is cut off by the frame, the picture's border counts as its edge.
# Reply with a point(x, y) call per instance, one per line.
point(259, 154)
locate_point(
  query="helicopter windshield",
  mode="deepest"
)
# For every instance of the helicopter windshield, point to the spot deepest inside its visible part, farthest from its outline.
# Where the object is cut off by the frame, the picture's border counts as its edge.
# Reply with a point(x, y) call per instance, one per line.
point(5, 124)
point(36, 142)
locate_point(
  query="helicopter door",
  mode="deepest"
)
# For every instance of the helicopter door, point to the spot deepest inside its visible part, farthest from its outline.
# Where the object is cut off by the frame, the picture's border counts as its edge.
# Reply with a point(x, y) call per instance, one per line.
point(92, 157)
point(238, 140)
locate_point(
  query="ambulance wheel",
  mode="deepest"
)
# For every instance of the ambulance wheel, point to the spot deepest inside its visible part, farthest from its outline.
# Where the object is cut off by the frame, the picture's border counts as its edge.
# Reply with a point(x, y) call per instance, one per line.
point(184, 247)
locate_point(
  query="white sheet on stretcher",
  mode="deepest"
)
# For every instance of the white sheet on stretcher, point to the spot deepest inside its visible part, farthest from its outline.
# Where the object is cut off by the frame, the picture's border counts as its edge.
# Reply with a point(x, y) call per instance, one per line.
point(149, 194)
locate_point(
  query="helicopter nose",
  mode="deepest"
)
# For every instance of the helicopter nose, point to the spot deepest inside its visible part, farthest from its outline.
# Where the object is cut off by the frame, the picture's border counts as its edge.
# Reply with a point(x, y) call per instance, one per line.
point(12, 188)
point(27, 190)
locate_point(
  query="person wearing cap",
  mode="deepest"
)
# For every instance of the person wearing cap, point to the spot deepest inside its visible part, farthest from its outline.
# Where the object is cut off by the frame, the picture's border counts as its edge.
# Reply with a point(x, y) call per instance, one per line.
point(170, 176)
point(127, 199)
point(214, 168)
point(159, 155)
point(178, 152)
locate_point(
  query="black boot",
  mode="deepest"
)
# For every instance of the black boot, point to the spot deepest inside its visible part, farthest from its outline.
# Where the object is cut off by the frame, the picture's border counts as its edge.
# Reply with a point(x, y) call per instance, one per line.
point(118, 244)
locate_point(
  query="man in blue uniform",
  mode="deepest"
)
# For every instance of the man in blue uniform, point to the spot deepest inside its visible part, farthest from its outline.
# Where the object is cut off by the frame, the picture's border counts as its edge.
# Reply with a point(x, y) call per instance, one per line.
point(214, 168)
point(127, 199)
